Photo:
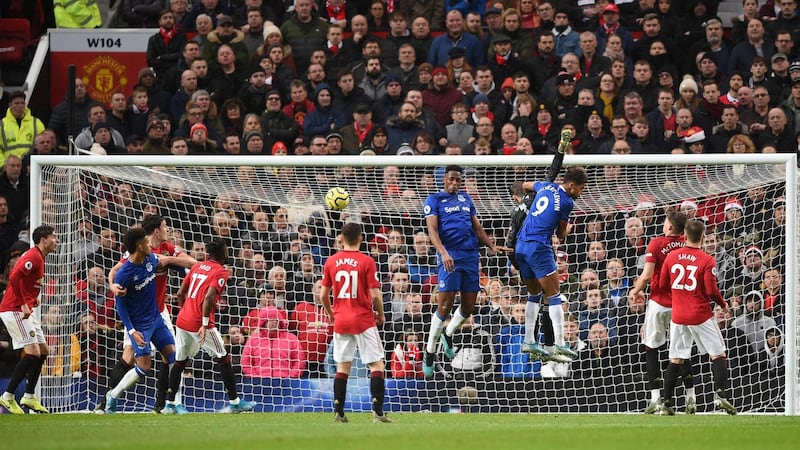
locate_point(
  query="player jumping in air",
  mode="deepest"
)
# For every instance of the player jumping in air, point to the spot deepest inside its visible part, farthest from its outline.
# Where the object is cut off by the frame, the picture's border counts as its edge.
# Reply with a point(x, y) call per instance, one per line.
point(549, 214)
point(357, 310)
point(139, 312)
point(170, 256)
point(17, 308)
point(198, 296)
point(455, 231)
point(692, 276)
point(659, 311)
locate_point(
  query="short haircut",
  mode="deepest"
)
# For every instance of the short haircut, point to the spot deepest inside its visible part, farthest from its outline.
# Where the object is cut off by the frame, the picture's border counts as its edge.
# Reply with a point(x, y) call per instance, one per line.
point(41, 232)
point(678, 221)
point(694, 230)
point(151, 222)
point(453, 168)
point(217, 250)
point(575, 175)
point(351, 232)
point(132, 238)
point(139, 89)
point(517, 189)
point(177, 139)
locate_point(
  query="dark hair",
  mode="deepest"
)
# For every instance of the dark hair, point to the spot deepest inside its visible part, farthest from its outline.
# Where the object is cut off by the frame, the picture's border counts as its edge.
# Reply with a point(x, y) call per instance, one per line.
point(41, 232)
point(678, 221)
point(453, 168)
point(351, 232)
point(516, 188)
point(694, 230)
point(151, 222)
point(575, 175)
point(217, 250)
point(132, 238)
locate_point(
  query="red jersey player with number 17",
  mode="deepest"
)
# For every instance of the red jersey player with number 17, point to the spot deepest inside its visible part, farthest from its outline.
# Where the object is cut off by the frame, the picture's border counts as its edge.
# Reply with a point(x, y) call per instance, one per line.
point(198, 295)
point(17, 312)
point(356, 312)
point(692, 277)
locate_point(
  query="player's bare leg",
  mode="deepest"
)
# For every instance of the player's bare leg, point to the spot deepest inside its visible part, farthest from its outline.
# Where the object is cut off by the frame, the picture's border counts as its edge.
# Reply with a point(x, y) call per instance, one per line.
point(462, 313)
point(377, 390)
point(444, 305)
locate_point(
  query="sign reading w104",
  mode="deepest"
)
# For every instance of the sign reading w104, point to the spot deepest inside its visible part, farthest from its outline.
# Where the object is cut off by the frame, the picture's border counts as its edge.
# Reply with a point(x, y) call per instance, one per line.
point(108, 40)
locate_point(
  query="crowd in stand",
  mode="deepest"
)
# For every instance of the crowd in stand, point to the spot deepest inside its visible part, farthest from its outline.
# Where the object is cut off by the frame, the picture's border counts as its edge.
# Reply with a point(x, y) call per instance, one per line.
point(410, 77)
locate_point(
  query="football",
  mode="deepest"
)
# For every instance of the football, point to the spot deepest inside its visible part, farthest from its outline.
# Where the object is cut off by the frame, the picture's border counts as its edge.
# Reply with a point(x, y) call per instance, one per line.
point(337, 198)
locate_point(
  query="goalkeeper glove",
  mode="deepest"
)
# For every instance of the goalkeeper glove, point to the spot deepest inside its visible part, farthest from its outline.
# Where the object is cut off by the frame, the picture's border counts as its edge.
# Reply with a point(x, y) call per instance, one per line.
point(566, 136)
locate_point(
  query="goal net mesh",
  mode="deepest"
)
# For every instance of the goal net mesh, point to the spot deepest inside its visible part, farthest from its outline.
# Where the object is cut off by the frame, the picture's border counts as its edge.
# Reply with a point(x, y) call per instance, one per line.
point(280, 233)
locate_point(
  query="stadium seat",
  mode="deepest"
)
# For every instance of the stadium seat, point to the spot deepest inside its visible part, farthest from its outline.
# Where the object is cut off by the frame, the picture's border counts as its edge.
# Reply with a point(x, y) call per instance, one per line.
point(14, 41)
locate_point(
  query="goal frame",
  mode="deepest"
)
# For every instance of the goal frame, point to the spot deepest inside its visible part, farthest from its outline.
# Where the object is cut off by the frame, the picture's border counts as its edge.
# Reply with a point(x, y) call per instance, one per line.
point(38, 162)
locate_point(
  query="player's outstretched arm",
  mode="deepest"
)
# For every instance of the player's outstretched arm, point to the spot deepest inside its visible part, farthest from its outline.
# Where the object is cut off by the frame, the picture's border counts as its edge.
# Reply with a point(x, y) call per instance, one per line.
point(484, 238)
point(558, 159)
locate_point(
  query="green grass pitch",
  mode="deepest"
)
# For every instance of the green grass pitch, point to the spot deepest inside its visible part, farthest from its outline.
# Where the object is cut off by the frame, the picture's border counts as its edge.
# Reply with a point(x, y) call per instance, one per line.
point(415, 431)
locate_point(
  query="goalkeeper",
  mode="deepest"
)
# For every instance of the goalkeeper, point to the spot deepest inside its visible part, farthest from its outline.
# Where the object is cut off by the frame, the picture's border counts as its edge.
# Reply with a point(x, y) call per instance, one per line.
point(548, 213)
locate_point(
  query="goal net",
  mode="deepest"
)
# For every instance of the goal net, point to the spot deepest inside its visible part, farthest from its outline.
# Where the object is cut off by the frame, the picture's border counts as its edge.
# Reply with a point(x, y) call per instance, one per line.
point(271, 212)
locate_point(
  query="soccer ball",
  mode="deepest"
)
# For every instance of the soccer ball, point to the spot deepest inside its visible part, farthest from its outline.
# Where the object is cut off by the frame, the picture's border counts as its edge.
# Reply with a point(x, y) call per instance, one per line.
point(337, 198)
point(467, 395)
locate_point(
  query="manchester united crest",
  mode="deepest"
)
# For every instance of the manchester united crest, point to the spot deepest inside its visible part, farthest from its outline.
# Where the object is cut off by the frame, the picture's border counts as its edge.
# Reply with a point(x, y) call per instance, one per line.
point(104, 76)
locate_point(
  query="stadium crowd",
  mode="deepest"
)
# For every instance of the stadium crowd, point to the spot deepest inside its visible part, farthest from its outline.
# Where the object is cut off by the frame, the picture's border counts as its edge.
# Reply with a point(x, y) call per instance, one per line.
point(417, 77)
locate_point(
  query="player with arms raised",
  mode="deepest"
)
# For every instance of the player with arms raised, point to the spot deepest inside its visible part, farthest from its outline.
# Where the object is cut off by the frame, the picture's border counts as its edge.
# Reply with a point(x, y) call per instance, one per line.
point(20, 300)
point(139, 312)
point(549, 213)
point(170, 256)
point(659, 310)
point(357, 310)
point(455, 231)
point(691, 275)
point(198, 296)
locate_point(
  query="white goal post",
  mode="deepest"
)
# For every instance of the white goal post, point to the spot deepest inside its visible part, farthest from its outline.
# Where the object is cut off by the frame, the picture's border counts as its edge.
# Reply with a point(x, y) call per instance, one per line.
point(270, 210)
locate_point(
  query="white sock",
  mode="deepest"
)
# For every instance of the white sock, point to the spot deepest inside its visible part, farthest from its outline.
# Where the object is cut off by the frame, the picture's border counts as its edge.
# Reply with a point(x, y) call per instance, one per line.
point(130, 378)
point(436, 330)
point(235, 401)
point(8, 396)
point(690, 393)
point(557, 317)
point(26, 395)
point(655, 394)
point(455, 322)
point(531, 314)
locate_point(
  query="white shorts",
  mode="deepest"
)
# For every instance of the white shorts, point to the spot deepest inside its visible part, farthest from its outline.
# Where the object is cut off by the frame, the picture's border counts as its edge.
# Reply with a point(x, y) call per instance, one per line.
point(706, 335)
point(23, 331)
point(188, 344)
point(369, 346)
point(126, 340)
point(656, 324)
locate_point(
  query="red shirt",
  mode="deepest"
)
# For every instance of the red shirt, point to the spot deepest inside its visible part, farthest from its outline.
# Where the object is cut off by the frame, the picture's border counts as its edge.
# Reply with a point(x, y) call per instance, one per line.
point(657, 250)
point(25, 281)
point(692, 276)
point(166, 249)
point(313, 328)
point(351, 274)
point(203, 276)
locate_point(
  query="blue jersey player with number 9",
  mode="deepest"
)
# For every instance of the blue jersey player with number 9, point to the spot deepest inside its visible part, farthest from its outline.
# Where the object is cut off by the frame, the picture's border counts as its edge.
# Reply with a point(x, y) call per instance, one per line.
point(549, 214)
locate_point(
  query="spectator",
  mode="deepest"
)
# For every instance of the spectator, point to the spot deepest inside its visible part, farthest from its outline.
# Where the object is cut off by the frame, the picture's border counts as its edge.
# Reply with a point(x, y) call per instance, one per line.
point(97, 347)
point(96, 114)
point(406, 360)
point(753, 323)
point(600, 359)
point(141, 13)
point(595, 309)
point(475, 358)
point(272, 351)
point(512, 362)
point(755, 45)
point(432, 11)
point(15, 188)
point(304, 31)
point(18, 128)
point(456, 37)
point(314, 330)
point(165, 47)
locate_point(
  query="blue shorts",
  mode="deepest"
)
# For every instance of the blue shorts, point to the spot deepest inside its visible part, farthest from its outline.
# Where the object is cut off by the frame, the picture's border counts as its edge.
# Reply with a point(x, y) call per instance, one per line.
point(464, 278)
point(536, 260)
point(159, 335)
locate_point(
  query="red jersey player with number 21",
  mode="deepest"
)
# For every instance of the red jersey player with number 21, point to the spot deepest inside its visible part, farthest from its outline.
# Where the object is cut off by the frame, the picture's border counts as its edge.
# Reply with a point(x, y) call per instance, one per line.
point(356, 312)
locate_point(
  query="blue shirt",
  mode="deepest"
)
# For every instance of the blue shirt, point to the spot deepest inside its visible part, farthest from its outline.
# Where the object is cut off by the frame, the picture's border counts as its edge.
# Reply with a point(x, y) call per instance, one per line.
point(138, 309)
point(455, 213)
point(551, 205)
